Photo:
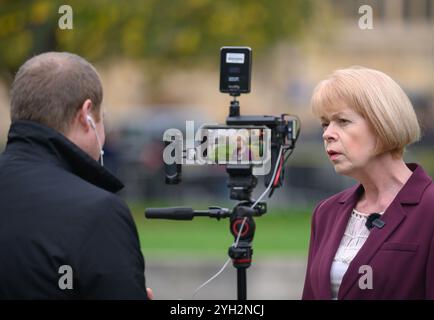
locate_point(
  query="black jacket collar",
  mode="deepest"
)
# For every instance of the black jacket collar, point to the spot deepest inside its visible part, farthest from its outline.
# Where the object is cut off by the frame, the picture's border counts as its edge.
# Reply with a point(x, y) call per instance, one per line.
point(39, 142)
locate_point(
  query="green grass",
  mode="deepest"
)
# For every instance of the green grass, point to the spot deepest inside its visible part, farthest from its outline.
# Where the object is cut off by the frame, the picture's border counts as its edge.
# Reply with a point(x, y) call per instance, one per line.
point(280, 232)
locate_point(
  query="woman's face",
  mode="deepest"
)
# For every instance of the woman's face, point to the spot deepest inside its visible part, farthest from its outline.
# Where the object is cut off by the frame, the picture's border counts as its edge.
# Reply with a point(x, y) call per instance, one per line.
point(348, 140)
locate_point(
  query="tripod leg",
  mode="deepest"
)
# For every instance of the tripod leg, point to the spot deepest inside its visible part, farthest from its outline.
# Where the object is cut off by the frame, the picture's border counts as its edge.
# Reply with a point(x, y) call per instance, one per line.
point(241, 283)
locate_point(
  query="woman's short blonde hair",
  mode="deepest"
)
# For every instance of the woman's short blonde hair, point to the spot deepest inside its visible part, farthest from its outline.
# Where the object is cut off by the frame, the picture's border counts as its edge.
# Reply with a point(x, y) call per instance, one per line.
point(377, 98)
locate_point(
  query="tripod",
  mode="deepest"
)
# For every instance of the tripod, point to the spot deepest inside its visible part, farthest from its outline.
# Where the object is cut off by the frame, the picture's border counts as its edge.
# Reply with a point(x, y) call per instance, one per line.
point(242, 227)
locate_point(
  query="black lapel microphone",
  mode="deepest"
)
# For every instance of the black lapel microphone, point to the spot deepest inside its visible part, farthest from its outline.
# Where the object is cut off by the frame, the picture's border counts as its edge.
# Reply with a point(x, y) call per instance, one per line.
point(374, 221)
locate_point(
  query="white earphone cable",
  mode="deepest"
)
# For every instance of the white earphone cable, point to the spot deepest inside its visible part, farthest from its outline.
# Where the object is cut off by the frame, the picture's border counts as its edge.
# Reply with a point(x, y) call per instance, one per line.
point(101, 152)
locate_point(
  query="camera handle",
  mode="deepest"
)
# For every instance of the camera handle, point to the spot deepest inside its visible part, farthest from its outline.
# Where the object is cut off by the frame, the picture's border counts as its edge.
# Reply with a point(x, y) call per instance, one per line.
point(241, 253)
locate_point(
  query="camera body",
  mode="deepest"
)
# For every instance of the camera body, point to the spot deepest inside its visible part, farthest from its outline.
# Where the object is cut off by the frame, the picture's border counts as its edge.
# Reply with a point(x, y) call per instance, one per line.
point(283, 135)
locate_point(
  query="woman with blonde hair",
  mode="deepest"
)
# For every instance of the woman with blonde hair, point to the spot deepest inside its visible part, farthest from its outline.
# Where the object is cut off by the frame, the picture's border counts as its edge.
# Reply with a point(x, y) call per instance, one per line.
point(374, 240)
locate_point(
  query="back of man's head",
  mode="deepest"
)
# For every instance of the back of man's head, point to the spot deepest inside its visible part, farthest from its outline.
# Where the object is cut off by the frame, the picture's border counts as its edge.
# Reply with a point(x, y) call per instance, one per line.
point(51, 87)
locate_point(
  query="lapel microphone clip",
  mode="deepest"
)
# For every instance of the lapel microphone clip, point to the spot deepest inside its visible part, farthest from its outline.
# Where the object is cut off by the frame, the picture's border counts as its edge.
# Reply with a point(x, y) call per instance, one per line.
point(374, 221)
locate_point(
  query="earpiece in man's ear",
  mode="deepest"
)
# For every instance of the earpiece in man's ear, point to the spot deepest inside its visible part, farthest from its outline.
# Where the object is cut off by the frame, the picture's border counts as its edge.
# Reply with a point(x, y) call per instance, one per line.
point(90, 120)
point(93, 125)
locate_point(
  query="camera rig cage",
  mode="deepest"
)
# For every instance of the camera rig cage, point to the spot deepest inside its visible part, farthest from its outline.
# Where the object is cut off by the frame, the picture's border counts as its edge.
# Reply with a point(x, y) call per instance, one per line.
point(235, 79)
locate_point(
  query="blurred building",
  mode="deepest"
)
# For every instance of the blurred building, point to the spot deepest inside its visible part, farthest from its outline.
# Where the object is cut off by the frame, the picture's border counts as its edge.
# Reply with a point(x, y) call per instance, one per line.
point(401, 44)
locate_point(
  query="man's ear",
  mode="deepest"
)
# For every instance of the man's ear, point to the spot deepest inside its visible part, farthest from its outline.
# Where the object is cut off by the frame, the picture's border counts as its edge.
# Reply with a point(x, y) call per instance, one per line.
point(82, 114)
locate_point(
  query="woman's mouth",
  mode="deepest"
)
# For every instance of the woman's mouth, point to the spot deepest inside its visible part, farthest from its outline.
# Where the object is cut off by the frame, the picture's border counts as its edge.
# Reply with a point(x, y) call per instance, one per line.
point(333, 155)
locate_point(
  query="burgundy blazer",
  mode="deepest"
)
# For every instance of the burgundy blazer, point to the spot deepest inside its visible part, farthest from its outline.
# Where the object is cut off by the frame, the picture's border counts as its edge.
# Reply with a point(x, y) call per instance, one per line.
point(401, 254)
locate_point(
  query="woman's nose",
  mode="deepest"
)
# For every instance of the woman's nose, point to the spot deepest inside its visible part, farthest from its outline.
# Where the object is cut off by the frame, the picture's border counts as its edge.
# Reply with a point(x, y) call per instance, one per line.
point(329, 133)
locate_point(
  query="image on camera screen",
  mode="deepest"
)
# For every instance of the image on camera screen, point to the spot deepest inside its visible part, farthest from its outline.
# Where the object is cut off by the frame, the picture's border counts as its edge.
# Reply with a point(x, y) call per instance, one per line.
point(237, 145)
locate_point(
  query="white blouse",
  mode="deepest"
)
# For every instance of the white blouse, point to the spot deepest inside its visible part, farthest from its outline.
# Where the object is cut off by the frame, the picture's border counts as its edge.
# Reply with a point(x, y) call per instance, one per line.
point(354, 237)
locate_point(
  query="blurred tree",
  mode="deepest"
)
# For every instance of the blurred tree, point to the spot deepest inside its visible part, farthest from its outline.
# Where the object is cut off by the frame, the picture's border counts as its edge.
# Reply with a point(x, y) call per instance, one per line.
point(164, 31)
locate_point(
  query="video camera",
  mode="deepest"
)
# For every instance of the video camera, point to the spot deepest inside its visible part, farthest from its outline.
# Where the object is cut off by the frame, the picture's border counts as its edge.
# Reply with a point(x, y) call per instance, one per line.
point(249, 146)
point(272, 133)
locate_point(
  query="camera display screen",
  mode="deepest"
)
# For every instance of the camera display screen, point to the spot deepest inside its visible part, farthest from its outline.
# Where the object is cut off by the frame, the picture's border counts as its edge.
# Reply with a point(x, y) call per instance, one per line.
point(235, 144)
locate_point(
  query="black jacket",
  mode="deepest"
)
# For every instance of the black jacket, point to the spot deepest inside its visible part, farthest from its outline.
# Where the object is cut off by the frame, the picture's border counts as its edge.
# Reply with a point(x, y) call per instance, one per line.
point(57, 208)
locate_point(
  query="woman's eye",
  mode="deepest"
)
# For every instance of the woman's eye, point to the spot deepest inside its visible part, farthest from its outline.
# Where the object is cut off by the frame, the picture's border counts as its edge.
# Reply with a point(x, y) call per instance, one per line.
point(343, 121)
point(324, 124)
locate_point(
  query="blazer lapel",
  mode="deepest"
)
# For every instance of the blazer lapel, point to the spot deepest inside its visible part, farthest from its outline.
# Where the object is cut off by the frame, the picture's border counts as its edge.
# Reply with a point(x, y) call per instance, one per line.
point(392, 217)
point(336, 231)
